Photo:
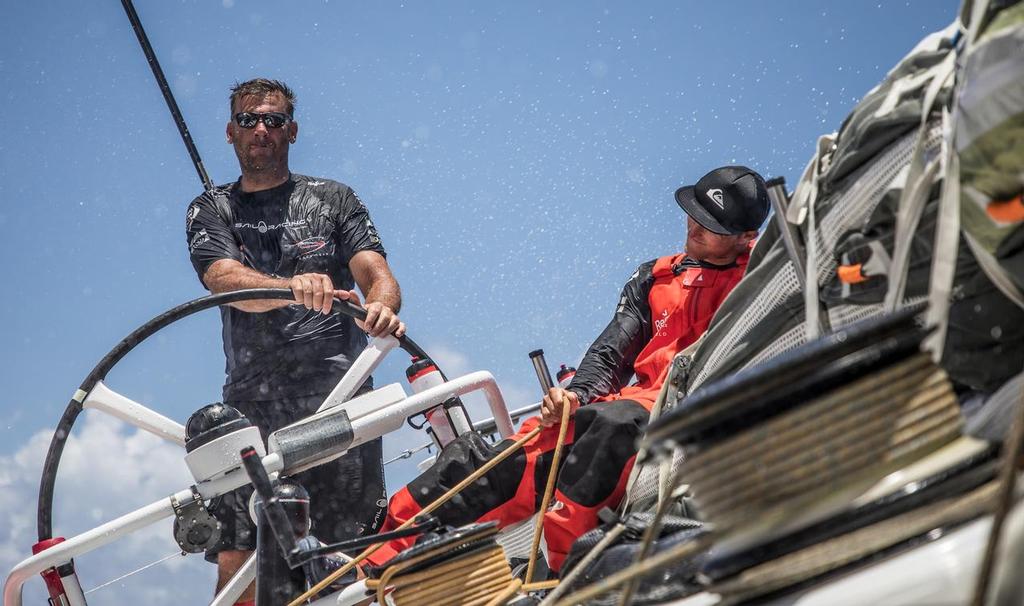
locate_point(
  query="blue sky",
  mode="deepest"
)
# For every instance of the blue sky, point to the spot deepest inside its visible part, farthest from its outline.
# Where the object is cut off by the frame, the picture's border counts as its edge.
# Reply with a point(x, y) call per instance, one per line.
point(518, 158)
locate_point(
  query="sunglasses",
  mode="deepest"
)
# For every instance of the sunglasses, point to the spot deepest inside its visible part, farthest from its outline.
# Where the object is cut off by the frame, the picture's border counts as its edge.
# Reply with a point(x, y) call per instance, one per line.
point(269, 119)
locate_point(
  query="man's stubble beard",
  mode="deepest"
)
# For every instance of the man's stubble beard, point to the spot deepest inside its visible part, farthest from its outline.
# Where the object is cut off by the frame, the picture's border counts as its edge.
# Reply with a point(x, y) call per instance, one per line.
point(256, 166)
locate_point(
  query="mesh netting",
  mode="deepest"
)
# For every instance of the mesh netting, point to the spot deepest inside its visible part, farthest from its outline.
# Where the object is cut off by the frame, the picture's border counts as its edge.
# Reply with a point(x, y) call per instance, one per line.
point(839, 213)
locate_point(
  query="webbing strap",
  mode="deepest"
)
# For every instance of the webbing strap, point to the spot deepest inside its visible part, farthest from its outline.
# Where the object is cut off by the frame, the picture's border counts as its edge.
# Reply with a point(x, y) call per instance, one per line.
point(802, 200)
point(945, 248)
point(808, 197)
point(979, 9)
point(916, 187)
point(995, 272)
point(812, 324)
point(913, 199)
point(796, 213)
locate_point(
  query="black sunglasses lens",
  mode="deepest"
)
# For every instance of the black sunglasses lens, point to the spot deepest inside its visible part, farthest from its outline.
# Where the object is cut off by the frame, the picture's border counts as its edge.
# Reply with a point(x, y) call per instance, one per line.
point(271, 120)
point(275, 120)
point(246, 120)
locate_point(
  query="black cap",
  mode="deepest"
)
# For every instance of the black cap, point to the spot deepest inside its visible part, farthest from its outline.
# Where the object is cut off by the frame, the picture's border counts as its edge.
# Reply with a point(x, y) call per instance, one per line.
point(728, 200)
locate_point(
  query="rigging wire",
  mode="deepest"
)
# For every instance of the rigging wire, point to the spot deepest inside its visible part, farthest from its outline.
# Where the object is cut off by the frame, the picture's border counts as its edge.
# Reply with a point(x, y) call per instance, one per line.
point(136, 571)
point(407, 454)
point(485, 428)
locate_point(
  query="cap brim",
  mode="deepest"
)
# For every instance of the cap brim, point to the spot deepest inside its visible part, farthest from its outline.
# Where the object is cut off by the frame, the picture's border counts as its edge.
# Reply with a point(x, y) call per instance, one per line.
point(686, 198)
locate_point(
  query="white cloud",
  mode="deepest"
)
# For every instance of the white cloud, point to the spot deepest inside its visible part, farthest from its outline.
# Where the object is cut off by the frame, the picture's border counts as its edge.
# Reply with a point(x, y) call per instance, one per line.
point(107, 470)
point(453, 362)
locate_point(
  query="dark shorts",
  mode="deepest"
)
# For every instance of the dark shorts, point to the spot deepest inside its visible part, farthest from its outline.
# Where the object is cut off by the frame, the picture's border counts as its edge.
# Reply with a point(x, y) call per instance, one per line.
point(348, 497)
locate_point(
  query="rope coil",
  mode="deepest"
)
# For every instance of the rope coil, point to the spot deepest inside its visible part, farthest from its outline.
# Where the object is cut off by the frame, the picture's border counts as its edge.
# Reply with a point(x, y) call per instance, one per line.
point(426, 510)
point(473, 579)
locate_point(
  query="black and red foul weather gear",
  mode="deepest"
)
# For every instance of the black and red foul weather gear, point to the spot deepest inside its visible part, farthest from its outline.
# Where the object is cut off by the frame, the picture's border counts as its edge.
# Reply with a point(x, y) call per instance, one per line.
point(666, 305)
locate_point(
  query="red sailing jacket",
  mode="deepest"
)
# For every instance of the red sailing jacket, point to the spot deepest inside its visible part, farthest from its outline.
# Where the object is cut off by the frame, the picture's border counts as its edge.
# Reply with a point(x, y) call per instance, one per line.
point(666, 305)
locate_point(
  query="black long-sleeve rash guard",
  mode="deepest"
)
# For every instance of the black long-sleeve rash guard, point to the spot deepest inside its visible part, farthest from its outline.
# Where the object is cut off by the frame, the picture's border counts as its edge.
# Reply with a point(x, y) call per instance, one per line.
point(305, 225)
point(608, 364)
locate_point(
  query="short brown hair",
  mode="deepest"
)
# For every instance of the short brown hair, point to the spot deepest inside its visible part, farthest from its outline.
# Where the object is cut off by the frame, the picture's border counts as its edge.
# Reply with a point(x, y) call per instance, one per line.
point(262, 87)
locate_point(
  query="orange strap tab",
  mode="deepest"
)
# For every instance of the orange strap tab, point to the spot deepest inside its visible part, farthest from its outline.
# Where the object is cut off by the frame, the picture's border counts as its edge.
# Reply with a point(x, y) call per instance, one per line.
point(850, 274)
point(1006, 211)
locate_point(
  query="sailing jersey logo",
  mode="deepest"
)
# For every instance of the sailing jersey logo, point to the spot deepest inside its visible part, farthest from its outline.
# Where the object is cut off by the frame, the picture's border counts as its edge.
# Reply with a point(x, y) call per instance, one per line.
point(717, 197)
point(310, 246)
point(263, 227)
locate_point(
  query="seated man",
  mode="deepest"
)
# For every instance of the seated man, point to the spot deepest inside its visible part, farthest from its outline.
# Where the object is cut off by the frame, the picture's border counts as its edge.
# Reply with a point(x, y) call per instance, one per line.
point(666, 305)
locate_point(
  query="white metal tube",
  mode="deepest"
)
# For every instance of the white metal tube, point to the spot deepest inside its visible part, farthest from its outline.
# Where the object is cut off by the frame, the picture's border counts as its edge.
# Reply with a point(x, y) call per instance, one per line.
point(234, 588)
point(378, 423)
point(85, 542)
point(109, 401)
point(381, 422)
point(118, 527)
point(502, 420)
point(363, 366)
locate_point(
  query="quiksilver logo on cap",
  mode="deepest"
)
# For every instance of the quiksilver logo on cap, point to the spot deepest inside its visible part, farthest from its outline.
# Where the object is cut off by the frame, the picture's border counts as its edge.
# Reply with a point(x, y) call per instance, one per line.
point(716, 195)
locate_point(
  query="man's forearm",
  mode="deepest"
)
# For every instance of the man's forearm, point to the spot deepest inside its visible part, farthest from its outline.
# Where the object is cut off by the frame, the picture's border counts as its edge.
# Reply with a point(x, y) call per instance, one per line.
point(385, 290)
point(228, 275)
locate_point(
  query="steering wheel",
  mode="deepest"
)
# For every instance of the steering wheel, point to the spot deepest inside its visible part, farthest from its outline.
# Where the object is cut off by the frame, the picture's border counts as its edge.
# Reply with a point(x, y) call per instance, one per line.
point(99, 372)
